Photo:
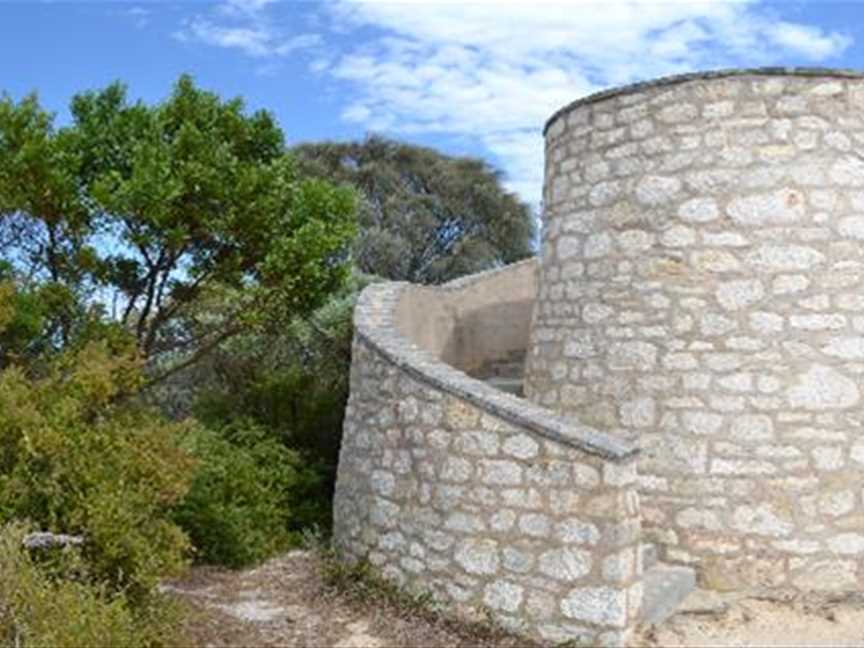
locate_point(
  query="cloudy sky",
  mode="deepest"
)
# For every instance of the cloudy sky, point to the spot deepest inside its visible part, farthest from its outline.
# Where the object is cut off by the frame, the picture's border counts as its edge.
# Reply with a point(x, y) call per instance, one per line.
point(477, 78)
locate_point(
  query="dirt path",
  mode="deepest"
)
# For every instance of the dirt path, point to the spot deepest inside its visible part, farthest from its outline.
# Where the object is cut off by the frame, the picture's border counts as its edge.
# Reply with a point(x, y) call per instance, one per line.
point(284, 602)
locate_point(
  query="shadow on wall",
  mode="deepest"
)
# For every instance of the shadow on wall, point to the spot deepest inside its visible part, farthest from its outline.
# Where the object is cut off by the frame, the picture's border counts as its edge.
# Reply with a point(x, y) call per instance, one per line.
point(472, 321)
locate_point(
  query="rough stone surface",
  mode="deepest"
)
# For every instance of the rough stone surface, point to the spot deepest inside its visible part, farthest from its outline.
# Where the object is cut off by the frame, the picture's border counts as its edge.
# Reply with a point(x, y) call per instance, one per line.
point(731, 342)
point(46, 540)
point(700, 295)
point(822, 387)
point(485, 501)
point(665, 588)
point(598, 605)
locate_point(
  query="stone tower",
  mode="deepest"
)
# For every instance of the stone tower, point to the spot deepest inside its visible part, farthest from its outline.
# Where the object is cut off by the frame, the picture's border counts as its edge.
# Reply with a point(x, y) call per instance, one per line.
point(701, 290)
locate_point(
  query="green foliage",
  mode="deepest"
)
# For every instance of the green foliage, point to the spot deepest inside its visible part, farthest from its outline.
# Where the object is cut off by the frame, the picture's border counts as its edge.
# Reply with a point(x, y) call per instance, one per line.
point(180, 251)
point(21, 323)
point(241, 500)
point(159, 204)
point(34, 315)
point(38, 610)
point(78, 456)
point(50, 601)
point(43, 217)
point(300, 412)
point(424, 217)
point(293, 381)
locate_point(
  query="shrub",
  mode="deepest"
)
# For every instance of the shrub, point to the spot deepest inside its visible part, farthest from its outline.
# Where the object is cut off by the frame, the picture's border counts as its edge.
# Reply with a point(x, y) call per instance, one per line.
point(239, 506)
point(291, 378)
point(292, 381)
point(57, 605)
point(78, 456)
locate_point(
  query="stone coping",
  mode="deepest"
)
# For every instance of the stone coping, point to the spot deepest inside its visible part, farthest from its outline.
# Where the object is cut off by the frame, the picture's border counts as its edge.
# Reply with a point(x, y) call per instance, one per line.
point(374, 324)
point(706, 75)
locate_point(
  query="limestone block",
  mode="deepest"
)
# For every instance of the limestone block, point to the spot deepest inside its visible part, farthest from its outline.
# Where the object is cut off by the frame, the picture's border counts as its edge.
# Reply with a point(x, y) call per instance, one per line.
point(478, 556)
point(600, 605)
point(567, 564)
point(782, 207)
point(761, 520)
point(821, 388)
point(741, 293)
point(503, 595)
point(657, 190)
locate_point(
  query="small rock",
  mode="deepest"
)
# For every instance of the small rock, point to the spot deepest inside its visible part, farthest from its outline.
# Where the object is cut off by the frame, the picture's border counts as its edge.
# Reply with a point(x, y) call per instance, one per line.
point(702, 601)
point(45, 540)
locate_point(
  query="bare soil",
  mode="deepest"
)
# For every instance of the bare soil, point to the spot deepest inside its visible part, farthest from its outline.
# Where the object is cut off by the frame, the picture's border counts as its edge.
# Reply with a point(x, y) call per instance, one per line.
point(762, 622)
point(285, 602)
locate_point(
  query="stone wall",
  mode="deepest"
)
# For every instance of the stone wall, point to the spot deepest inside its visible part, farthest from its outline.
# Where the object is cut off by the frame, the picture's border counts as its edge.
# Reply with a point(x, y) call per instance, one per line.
point(486, 501)
point(702, 286)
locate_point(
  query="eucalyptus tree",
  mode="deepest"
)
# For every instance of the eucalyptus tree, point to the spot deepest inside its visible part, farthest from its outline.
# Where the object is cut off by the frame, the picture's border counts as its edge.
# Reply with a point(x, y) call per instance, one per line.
point(424, 216)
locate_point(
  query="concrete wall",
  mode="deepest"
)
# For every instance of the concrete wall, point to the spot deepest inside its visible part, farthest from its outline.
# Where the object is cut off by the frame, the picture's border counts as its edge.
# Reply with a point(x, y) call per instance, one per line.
point(472, 320)
point(487, 501)
point(702, 286)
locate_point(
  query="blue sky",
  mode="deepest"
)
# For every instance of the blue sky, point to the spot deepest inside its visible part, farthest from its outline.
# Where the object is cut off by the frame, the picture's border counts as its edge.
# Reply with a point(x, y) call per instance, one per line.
point(475, 78)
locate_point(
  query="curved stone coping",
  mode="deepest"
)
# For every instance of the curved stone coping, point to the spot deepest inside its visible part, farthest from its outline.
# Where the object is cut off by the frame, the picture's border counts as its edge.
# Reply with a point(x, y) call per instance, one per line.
point(706, 75)
point(374, 324)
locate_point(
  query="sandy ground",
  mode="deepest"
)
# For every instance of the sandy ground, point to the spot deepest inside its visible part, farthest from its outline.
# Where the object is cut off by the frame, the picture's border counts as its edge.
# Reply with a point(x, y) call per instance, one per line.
point(284, 602)
point(755, 622)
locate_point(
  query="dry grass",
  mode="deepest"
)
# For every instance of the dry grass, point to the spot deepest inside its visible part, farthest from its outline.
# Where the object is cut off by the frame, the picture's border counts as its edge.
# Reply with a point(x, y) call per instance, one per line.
point(362, 588)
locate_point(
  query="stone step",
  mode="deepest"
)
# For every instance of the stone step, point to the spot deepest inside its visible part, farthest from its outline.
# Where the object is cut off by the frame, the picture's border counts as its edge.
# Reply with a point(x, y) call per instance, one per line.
point(510, 385)
point(508, 369)
point(665, 587)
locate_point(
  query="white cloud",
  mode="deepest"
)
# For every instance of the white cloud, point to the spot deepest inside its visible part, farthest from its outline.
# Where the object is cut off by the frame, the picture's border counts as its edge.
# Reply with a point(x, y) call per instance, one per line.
point(495, 71)
point(808, 41)
point(243, 7)
point(303, 41)
point(140, 16)
point(245, 26)
point(254, 41)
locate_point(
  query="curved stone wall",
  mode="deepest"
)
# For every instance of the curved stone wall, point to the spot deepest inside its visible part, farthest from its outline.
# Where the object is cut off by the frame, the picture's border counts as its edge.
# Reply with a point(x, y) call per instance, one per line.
point(702, 287)
point(487, 501)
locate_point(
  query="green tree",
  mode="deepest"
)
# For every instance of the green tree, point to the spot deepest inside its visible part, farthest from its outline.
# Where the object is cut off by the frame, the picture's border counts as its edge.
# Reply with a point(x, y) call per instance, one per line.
point(34, 316)
point(148, 208)
point(424, 217)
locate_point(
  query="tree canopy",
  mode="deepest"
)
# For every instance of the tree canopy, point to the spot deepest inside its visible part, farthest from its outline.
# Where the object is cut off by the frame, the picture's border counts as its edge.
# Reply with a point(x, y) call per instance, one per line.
point(145, 210)
point(424, 217)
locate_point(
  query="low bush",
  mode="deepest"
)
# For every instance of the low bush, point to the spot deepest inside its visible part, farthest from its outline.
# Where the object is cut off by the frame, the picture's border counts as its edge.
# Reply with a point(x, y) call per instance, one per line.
point(52, 601)
point(78, 456)
point(241, 500)
point(292, 381)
